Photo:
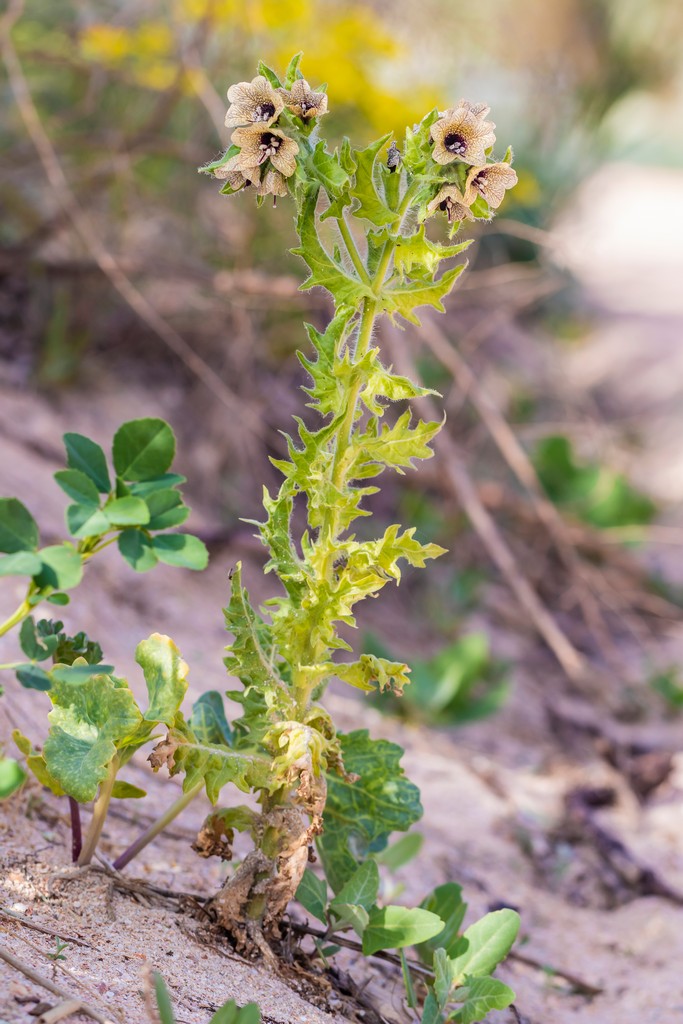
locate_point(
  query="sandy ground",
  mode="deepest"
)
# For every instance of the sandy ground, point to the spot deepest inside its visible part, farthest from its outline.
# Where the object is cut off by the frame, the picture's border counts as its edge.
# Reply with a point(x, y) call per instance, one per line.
point(494, 794)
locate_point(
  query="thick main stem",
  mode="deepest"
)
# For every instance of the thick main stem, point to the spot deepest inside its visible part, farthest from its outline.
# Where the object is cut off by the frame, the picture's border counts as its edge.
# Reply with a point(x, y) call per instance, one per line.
point(99, 815)
point(157, 826)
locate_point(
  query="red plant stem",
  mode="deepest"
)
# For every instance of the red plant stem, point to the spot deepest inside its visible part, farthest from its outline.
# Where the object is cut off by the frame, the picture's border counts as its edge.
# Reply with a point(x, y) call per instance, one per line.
point(76, 833)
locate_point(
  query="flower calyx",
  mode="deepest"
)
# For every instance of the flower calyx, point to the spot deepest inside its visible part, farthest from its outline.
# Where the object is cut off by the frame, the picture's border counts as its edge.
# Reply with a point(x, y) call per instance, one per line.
point(462, 133)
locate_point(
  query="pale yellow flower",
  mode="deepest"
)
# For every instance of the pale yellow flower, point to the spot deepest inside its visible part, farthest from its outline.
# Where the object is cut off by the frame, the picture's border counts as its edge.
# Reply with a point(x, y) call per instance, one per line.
point(491, 181)
point(303, 102)
point(238, 175)
point(273, 184)
point(461, 133)
point(254, 102)
point(260, 144)
point(455, 205)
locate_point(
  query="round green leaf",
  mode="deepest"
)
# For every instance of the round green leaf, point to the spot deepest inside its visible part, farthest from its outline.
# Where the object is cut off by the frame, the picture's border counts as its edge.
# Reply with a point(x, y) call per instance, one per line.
point(62, 568)
point(33, 678)
point(181, 549)
point(86, 521)
point(84, 455)
point(58, 598)
point(128, 511)
point(166, 509)
point(18, 528)
point(137, 550)
point(21, 563)
point(143, 449)
point(78, 486)
point(11, 776)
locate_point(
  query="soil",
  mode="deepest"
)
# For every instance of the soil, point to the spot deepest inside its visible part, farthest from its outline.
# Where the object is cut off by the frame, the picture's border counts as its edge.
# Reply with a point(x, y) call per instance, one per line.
point(554, 807)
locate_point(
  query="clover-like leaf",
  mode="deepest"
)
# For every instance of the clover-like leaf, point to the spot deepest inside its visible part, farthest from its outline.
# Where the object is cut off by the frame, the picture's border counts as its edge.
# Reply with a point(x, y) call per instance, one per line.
point(182, 550)
point(61, 567)
point(21, 563)
point(137, 550)
point(18, 528)
point(143, 449)
point(127, 511)
point(87, 457)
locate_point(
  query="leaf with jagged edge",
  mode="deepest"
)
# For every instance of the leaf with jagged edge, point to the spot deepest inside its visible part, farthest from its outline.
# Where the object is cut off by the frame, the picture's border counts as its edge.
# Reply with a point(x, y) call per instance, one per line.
point(325, 272)
point(416, 254)
point(360, 816)
point(340, 202)
point(89, 722)
point(214, 764)
point(325, 387)
point(327, 168)
point(396, 445)
point(250, 655)
point(382, 383)
point(275, 534)
point(403, 297)
point(369, 672)
point(371, 206)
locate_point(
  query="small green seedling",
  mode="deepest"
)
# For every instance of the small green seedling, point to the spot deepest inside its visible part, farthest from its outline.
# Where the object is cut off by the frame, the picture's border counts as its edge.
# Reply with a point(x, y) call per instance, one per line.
point(58, 953)
point(228, 1013)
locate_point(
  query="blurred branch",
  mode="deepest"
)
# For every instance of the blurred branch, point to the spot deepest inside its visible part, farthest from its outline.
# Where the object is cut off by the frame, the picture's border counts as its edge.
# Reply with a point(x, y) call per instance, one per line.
point(465, 491)
point(519, 462)
point(90, 238)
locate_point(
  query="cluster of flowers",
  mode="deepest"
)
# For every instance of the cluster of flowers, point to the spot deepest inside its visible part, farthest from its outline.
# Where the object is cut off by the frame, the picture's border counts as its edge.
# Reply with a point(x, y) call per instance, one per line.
point(264, 156)
point(462, 133)
point(267, 156)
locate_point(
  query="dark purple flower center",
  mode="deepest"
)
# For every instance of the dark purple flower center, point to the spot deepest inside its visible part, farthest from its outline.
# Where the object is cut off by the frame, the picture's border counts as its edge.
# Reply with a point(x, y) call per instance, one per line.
point(479, 181)
point(456, 143)
point(264, 112)
point(452, 209)
point(268, 146)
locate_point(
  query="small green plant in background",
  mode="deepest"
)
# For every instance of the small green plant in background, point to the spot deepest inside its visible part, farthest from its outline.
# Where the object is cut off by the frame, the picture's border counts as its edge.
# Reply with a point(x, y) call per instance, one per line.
point(594, 493)
point(460, 684)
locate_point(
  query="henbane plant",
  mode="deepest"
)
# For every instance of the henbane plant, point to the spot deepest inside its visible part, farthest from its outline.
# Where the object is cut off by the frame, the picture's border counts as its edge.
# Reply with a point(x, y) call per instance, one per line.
point(361, 220)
